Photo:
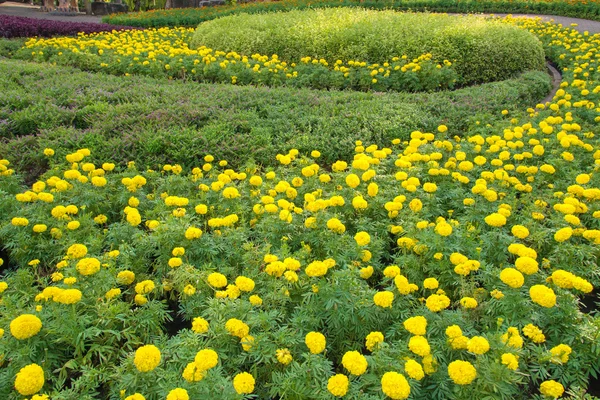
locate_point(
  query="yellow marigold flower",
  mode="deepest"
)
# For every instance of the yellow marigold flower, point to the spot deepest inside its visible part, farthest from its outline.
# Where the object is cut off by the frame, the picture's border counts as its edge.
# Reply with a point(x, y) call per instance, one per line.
point(25, 326)
point(192, 373)
point(437, 302)
point(40, 228)
point(416, 325)
point(48, 152)
point(336, 225)
point(315, 342)
point(534, 333)
point(247, 342)
point(189, 290)
point(68, 296)
point(200, 325)
point(512, 277)
point(510, 360)
point(373, 339)
point(478, 345)
point(419, 345)
point(206, 359)
point(352, 180)
point(391, 271)
point(283, 356)
point(147, 358)
point(366, 272)
point(217, 280)
point(112, 293)
point(527, 265)
point(468, 302)
point(395, 386)
point(88, 266)
point(3, 285)
point(244, 284)
point(243, 383)
point(175, 262)
point(145, 287)
point(135, 396)
point(193, 233)
point(520, 231)
point(354, 362)
point(453, 331)
point(178, 394)
point(231, 193)
point(383, 299)
point(255, 300)
point(462, 372)
point(414, 370)
point(316, 269)
point(430, 283)
point(178, 252)
point(563, 234)
point(17, 221)
point(552, 389)
point(29, 380)
point(125, 277)
point(496, 220)
point(362, 238)
point(560, 353)
point(337, 385)
point(542, 295)
point(237, 328)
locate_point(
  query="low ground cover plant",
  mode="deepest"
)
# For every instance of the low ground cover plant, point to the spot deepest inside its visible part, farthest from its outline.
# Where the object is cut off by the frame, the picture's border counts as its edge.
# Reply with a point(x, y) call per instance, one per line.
point(150, 121)
point(589, 9)
point(480, 50)
point(16, 27)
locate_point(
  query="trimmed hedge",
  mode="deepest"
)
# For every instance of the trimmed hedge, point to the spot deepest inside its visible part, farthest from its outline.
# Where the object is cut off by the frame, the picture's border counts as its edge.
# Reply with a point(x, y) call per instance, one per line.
point(14, 27)
point(193, 16)
point(480, 50)
point(154, 121)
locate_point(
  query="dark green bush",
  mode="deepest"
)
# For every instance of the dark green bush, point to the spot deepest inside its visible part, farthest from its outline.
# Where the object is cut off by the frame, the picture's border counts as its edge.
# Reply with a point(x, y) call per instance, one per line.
point(154, 121)
point(481, 50)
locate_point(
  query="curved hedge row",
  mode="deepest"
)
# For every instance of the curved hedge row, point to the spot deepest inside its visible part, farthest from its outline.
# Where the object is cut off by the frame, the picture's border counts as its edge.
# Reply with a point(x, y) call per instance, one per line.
point(589, 9)
point(480, 50)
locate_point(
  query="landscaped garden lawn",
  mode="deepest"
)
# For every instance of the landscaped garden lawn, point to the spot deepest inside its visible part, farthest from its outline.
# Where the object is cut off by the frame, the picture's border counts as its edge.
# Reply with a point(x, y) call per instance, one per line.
point(315, 204)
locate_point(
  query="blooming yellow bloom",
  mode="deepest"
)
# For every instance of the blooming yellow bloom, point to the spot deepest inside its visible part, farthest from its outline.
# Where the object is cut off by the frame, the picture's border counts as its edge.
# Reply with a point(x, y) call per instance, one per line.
point(29, 380)
point(315, 342)
point(354, 362)
point(462, 372)
point(337, 385)
point(147, 358)
point(243, 383)
point(395, 386)
point(25, 326)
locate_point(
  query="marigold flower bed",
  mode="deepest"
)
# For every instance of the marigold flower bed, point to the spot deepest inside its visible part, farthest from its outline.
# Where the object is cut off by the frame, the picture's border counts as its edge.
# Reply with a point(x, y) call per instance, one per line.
point(434, 267)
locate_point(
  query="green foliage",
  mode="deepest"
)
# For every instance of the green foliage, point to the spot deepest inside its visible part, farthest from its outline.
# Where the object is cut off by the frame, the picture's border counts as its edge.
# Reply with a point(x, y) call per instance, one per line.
point(192, 17)
point(153, 121)
point(480, 50)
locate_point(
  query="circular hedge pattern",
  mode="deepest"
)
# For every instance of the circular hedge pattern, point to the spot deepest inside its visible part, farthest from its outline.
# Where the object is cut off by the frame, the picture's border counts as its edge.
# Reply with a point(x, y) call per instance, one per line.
point(481, 50)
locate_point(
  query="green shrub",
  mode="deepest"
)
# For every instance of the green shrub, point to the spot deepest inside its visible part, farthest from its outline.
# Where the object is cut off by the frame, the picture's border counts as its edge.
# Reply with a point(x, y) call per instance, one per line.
point(154, 121)
point(480, 50)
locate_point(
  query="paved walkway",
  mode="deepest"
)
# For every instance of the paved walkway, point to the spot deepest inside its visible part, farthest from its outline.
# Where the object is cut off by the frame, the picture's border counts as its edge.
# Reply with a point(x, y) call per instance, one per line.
point(27, 10)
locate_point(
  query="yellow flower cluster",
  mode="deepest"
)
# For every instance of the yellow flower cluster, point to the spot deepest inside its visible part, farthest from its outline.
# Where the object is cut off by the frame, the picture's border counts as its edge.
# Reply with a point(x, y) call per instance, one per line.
point(166, 52)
